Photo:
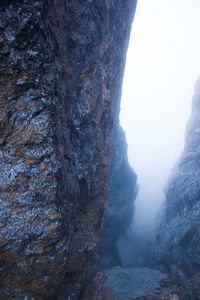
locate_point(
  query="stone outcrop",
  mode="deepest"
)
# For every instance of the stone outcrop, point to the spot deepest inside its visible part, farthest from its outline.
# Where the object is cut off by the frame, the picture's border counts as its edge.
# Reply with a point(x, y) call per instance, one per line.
point(61, 69)
point(122, 193)
point(178, 239)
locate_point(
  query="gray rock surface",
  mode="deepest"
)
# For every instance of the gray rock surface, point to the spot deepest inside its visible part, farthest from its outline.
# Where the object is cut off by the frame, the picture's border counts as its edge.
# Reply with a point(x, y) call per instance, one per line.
point(133, 282)
point(178, 238)
point(126, 251)
point(61, 69)
point(121, 196)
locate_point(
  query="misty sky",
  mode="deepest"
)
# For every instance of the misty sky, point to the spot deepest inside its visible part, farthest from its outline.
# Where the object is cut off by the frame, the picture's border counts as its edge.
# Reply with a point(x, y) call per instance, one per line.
point(163, 63)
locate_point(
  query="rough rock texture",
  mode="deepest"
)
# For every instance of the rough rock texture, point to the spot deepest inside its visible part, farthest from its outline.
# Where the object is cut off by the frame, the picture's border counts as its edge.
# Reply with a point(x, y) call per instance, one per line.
point(178, 239)
point(133, 282)
point(122, 193)
point(61, 68)
point(96, 289)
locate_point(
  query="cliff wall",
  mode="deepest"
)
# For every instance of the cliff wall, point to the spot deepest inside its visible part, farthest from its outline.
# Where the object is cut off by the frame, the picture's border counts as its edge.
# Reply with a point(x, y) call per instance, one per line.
point(178, 238)
point(61, 69)
point(122, 192)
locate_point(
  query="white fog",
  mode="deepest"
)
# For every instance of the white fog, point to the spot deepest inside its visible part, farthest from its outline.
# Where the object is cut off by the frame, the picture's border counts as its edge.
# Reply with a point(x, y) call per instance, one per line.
point(161, 69)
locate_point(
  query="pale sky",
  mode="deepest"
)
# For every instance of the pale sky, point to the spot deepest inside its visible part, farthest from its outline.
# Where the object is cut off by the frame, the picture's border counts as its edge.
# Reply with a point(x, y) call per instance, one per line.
point(163, 63)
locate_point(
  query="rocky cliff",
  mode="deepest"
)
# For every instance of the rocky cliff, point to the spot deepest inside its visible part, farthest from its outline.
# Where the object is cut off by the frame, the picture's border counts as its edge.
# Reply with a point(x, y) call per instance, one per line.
point(178, 239)
point(61, 69)
point(121, 196)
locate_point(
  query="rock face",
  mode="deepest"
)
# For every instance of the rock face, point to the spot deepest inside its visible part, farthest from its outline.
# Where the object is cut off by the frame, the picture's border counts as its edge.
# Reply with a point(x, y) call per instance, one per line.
point(178, 239)
point(61, 69)
point(122, 193)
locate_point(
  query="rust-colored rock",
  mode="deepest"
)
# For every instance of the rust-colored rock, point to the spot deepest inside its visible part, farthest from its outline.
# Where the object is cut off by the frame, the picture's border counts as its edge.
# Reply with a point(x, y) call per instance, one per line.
point(96, 289)
point(61, 69)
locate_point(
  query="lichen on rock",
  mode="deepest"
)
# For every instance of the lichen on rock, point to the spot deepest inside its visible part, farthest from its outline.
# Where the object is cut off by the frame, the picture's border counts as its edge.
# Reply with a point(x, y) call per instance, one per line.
point(61, 69)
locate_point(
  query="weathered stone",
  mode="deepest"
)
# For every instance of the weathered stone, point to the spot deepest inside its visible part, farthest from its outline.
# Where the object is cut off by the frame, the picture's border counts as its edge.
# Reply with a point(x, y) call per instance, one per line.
point(96, 289)
point(61, 69)
point(178, 239)
point(131, 283)
point(122, 194)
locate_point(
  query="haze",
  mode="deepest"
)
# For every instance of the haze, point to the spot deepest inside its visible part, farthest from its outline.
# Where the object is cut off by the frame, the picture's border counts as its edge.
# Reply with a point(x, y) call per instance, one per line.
point(161, 69)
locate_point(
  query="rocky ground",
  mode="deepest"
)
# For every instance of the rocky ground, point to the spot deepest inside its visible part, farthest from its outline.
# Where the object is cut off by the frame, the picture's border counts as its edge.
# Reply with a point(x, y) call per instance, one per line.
point(139, 277)
point(128, 283)
point(120, 283)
